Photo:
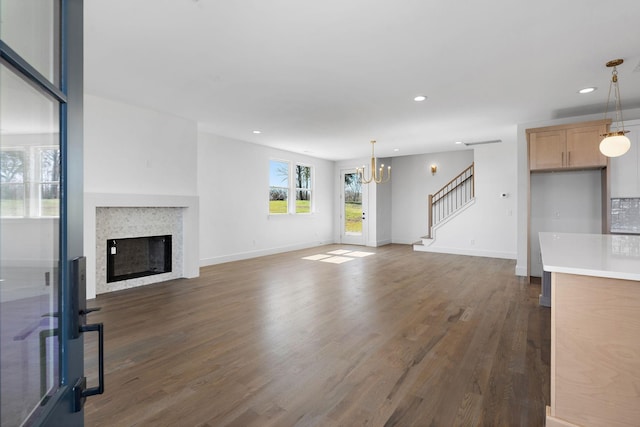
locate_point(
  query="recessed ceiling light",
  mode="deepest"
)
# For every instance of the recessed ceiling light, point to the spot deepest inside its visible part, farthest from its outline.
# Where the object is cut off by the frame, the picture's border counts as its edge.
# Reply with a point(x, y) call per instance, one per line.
point(257, 131)
point(458, 142)
point(420, 98)
point(587, 90)
point(396, 149)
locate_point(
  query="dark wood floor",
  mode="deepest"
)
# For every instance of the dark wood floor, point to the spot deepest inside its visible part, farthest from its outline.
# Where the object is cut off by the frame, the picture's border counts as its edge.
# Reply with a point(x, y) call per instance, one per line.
point(397, 338)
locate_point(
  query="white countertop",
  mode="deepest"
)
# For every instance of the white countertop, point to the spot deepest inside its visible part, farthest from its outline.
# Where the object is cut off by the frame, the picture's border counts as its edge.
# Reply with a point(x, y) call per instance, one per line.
point(600, 255)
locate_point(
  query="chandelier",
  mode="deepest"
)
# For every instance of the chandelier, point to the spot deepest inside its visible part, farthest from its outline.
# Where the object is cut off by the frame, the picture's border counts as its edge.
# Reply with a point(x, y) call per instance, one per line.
point(376, 175)
point(615, 143)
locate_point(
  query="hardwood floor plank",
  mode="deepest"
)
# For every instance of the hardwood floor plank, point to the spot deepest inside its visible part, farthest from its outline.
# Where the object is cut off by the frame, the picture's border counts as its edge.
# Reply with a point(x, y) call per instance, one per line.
point(397, 338)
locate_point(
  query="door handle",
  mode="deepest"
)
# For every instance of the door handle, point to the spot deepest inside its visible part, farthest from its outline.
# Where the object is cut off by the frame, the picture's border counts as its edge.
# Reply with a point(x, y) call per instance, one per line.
point(78, 326)
point(99, 328)
point(80, 390)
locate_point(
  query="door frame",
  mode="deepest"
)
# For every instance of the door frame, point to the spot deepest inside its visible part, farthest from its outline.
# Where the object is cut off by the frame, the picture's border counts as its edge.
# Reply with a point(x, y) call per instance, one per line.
point(353, 238)
point(58, 410)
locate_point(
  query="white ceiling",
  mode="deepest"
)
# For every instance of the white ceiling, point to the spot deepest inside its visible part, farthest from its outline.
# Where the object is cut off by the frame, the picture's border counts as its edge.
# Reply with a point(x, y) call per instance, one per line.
point(325, 77)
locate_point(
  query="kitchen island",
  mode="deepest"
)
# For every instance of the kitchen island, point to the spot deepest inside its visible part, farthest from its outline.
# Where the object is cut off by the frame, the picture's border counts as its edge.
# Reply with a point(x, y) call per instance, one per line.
point(595, 328)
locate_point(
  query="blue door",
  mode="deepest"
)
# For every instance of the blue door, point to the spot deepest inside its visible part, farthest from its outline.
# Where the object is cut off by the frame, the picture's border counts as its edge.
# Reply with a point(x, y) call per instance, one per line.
point(41, 279)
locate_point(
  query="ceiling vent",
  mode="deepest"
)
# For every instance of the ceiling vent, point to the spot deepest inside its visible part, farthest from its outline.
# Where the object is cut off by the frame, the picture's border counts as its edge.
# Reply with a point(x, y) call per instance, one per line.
point(493, 141)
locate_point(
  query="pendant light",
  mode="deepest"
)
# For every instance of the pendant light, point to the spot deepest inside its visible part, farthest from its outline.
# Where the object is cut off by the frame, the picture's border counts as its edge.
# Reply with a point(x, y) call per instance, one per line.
point(615, 143)
point(376, 175)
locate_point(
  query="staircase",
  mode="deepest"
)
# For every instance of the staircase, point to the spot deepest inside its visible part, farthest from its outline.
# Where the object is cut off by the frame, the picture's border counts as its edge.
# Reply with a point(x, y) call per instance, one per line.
point(446, 203)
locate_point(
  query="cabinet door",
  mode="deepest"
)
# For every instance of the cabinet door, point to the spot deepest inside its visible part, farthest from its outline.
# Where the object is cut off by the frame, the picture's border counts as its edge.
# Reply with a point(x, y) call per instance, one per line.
point(583, 147)
point(547, 150)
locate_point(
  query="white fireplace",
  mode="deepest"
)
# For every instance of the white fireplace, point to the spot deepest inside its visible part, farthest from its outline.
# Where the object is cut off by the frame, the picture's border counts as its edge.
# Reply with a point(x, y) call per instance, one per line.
point(118, 216)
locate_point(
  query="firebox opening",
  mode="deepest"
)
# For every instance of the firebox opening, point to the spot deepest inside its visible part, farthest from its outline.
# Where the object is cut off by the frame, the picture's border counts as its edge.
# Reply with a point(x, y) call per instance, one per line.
point(138, 257)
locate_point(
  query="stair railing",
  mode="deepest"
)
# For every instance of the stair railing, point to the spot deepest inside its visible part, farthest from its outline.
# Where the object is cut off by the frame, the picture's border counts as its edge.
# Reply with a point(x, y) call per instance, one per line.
point(451, 197)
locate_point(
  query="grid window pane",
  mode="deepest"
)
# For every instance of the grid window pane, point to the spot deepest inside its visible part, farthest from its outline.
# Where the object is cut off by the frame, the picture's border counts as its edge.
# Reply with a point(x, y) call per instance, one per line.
point(303, 189)
point(278, 187)
point(50, 200)
point(12, 182)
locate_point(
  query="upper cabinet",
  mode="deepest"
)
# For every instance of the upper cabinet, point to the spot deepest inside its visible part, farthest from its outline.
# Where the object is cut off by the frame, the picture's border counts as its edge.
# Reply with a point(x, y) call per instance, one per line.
point(574, 146)
point(547, 149)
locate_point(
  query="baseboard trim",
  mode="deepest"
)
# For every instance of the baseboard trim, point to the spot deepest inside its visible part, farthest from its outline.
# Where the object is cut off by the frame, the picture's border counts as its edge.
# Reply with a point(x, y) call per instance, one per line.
point(469, 252)
point(521, 271)
point(381, 243)
point(204, 262)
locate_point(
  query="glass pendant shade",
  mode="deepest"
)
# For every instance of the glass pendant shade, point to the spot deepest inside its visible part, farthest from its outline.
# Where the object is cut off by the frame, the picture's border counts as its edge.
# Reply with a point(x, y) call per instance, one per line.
point(615, 145)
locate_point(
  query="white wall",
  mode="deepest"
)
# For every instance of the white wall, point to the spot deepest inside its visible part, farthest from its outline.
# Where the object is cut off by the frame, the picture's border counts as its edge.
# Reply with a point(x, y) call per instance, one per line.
point(412, 183)
point(569, 202)
point(384, 208)
point(29, 242)
point(233, 178)
point(487, 227)
point(129, 149)
point(135, 156)
point(625, 170)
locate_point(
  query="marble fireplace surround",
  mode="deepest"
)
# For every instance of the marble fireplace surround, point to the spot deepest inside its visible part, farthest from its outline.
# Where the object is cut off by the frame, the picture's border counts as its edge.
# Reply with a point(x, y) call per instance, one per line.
point(137, 208)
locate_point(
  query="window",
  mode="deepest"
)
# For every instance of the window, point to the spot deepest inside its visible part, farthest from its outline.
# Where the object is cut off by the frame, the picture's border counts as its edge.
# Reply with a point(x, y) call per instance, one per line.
point(12, 182)
point(278, 187)
point(303, 189)
point(30, 182)
point(48, 190)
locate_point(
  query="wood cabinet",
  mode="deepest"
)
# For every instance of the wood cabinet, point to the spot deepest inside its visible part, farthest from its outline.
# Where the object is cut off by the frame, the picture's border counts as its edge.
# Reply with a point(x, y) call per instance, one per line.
point(575, 146)
point(570, 147)
point(595, 376)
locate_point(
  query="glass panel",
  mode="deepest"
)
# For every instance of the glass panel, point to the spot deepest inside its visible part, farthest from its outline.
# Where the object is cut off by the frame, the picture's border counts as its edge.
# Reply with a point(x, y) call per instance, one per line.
point(28, 256)
point(352, 204)
point(12, 182)
point(49, 191)
point(303, 201)
point(303, 177)
point(49, 200)
point(28, 27)
point(278, 187)
point(303, 189)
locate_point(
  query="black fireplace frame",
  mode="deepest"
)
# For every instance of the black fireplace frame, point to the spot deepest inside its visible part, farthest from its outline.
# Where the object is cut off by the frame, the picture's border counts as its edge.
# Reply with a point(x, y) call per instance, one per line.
point(112, 253)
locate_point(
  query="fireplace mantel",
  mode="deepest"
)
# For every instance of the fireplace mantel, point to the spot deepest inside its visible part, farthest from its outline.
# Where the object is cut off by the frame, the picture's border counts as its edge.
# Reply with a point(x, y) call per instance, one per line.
point(189, 205)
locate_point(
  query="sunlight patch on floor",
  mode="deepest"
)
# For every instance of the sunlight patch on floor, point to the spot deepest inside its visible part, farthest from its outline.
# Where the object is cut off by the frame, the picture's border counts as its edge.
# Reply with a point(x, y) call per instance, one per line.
point(359, 254)
point(334, 259)
point(339, 252)
point(337, 259)
point(317, 257)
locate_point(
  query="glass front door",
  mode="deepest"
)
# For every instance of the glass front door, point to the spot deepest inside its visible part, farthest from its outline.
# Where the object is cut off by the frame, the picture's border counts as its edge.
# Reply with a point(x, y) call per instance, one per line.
point(353, 214)
point(29, 242)
point(40, 357)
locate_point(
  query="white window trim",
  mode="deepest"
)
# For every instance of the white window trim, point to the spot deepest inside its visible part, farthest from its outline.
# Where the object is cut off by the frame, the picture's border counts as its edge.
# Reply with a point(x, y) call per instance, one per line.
point(311, 188)
point(288, 188)
point(291, 189)
point(32, 180)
